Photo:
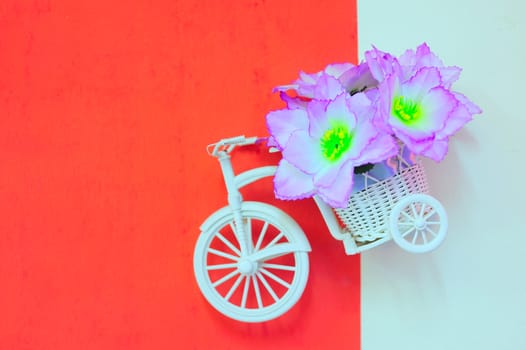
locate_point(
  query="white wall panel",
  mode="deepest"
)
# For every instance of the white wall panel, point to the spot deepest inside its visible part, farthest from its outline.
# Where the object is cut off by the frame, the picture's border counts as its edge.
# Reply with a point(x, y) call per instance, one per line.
point(471, 292)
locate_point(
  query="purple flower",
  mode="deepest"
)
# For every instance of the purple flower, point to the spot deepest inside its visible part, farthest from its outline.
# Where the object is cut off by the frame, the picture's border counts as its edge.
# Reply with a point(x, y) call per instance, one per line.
point(327, 84)
point(322, 144)
point(383, 64)
point(323, 85)
point(412, 61)
point(351, 115)
point(358, 79)
point(414, 99)
point(422, 112)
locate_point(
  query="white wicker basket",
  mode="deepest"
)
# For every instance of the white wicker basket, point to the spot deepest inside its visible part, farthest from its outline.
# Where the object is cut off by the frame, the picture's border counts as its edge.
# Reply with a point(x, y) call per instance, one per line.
point(367, 214)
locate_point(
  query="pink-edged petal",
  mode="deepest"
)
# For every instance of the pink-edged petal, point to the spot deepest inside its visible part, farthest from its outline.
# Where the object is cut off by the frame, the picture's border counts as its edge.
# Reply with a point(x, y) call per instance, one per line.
point(338, 193)
point(437, 151)
point(457, 118)
point(363, 134)
point(282, 123)
point(372, 95)
point(437, 104)
point(306, 78)
point(381, 64)
point(293, 102)
point(358, 78)
point(424, 80)
point(361, 105)
point(426, 58)
point(306, 84)
point(304, 152)
point(291, 183)
point(337, 69)
point(316, 112)
point(327, 175)
point(472, 108)
point(408, 58)
point(416, 133)
point(272, 143)
point(379, 149)
point(327, 88)
point(338, 112)
point(382, 114)
point(423, 57)
point(449, 75)
point(417, 146)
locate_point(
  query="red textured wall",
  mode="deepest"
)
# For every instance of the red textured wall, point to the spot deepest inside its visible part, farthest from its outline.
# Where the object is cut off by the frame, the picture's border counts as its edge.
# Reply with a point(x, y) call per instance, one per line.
point(105, 111)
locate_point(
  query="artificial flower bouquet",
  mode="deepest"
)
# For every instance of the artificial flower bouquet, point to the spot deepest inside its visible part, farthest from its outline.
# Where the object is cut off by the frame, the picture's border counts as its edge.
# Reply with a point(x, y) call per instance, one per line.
point(357, 119)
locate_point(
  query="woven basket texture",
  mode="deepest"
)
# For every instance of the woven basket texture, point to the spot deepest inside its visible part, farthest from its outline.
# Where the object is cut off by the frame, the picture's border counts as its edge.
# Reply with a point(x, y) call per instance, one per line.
point(367, 214)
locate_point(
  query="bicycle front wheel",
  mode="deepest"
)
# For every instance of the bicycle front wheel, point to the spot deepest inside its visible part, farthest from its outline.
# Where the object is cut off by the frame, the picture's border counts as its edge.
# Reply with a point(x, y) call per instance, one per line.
point(246, 289)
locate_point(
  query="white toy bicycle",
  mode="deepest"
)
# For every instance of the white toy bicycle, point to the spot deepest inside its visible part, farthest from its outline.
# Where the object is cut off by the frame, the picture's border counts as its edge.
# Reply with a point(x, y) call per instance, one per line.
point(251, 259)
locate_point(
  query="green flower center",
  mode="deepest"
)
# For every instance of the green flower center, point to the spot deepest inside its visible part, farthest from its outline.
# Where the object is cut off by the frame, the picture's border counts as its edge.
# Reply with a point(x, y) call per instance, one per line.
point(407, 111)
point(335, 142)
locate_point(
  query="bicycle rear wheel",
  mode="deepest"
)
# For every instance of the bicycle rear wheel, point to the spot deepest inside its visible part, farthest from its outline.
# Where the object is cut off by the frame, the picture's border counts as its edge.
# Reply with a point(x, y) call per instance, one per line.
point(418, 223)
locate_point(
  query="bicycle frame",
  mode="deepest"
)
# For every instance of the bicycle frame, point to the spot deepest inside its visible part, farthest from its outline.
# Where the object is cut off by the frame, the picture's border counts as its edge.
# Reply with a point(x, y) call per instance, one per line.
point(234, 183)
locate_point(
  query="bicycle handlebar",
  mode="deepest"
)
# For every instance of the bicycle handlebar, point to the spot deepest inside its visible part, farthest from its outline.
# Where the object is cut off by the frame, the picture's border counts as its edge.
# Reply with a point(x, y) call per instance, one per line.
point(227, 145)
point(233, 140)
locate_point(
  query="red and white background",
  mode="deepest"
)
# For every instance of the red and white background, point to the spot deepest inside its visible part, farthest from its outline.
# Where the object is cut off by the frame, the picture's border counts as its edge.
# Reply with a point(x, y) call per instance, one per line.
point(105, 111)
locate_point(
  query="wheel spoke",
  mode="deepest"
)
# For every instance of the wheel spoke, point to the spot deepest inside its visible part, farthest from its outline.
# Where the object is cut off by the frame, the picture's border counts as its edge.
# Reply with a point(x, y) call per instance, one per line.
point(223, 254)
point(221, 266)
point(273, 252)
point(257, 291)
point(424, 237)
point(225, 278)
point(245, 292)
point(279, 267)
point(415, 236)
point(428, 215)
point(422, 210)
point(413, 209)
point(261, 236)
point(275, 278)
point(267, 286)
point(232, 227)
point(405, 223)
point(431, 231)
point(248, 233)
point(228, 243)
point(433, 222)
point(275, 240)
point(408, 232)
point(234, 287)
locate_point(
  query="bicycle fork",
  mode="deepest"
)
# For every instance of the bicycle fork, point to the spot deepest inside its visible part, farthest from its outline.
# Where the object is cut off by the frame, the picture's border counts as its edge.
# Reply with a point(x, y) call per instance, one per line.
point(235, 199)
